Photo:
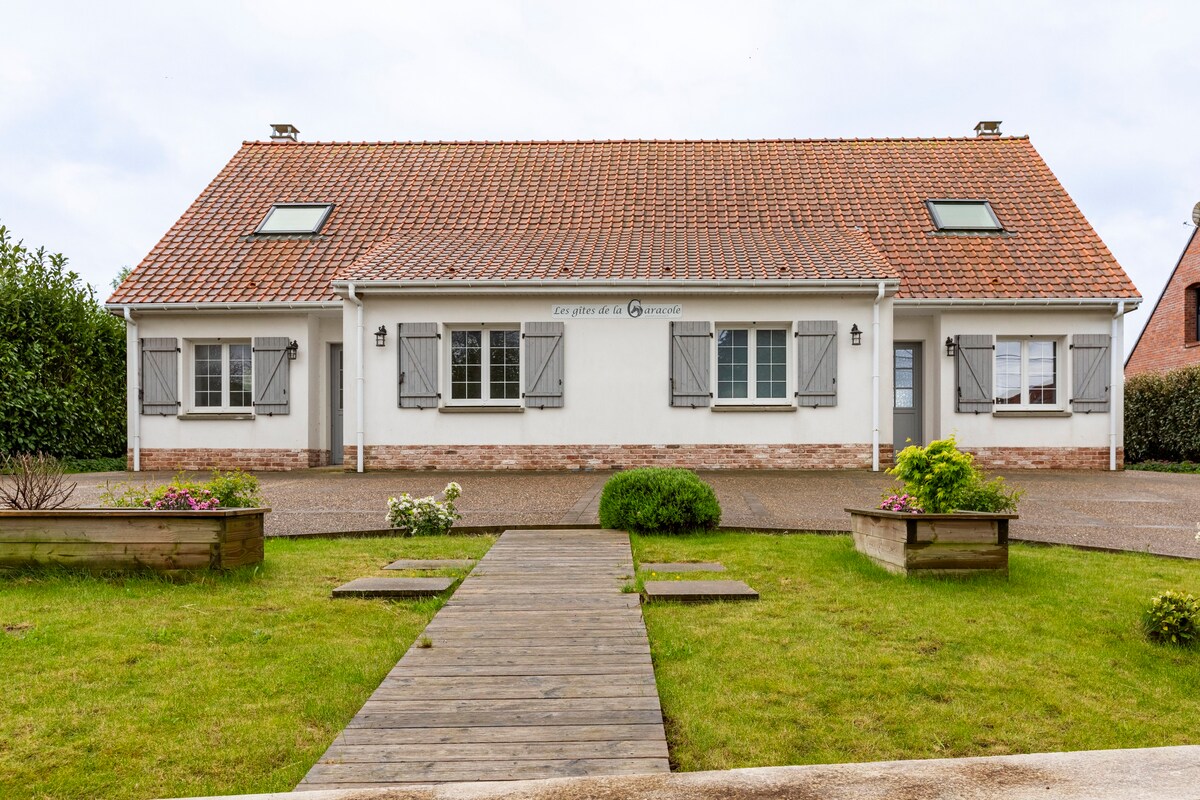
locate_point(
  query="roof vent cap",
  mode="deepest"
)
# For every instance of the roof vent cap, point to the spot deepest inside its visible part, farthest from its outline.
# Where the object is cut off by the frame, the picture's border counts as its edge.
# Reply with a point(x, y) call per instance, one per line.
point(283, 132)
point(988, 127)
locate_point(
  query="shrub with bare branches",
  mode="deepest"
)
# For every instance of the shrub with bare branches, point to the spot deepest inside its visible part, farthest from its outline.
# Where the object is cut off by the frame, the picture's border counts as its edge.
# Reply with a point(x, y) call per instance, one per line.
point(33, 482)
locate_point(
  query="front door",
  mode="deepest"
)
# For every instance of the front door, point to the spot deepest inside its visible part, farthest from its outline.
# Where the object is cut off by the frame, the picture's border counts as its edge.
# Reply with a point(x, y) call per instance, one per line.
point(906, 395)
point(336, 404)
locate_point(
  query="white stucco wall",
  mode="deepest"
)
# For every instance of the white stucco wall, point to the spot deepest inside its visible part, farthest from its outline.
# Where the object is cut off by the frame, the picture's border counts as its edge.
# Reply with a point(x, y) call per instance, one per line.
point(617, 374)
point(1006, 429)
point(306, 426)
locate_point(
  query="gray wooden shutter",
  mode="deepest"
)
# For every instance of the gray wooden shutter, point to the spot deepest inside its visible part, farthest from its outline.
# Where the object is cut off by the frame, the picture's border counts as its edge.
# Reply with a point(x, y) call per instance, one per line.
point(418, 364)
point(272, 372)
point(543, 365)
point(1091, 372)
point(816, 362)
point(974, 356)
point(690, 345)
point(159, 389)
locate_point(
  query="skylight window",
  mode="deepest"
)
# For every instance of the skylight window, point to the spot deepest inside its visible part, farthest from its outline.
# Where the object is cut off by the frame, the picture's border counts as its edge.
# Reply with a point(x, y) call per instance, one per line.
point(963, 215)
point(295, 218)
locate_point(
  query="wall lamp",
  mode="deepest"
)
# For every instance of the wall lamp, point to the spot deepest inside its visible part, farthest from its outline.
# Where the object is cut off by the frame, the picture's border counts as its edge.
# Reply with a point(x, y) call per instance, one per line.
point(381, 336)
point(292, 349)
point(950, 347)
point(855, 335)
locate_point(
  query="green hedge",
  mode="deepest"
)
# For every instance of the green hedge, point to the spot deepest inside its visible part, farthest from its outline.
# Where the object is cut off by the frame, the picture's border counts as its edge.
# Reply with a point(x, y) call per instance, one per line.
point(1162, 416)
point(62, 358)
point(659, 500)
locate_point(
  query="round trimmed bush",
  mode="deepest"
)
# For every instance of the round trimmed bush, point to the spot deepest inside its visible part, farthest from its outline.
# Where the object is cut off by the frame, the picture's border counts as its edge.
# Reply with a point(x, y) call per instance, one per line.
point(1172, 618)
point(659, 500)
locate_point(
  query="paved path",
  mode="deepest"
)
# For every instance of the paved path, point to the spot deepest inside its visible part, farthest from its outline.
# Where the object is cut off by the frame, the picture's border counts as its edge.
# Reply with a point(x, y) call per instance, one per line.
point(539, 668)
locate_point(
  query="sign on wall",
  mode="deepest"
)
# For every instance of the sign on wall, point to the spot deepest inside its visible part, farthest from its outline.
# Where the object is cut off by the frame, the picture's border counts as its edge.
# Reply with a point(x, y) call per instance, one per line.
point(634, 309)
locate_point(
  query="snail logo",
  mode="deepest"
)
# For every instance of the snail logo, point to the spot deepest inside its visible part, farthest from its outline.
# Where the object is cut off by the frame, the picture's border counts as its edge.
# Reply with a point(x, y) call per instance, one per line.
point(634, 308)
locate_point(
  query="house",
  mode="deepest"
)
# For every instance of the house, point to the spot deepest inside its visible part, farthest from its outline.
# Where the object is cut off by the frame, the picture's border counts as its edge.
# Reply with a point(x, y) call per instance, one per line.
point(1171, 337)
point(600, 304)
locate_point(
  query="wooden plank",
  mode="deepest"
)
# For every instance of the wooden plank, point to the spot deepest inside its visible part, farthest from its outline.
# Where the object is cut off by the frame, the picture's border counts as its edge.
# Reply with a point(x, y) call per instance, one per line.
point(107, 555)
point(517, 751)
point(112, 530)
point(539, 667)
point(545, 704)
point(510, 770)
point(967, 530)
point(502, 734)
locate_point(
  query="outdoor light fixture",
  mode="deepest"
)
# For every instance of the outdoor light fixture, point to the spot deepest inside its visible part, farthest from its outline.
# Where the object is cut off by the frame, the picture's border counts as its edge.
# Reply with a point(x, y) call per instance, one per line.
point(855, 335)
point(381, 336)
point(949, 347)
point(292, 348)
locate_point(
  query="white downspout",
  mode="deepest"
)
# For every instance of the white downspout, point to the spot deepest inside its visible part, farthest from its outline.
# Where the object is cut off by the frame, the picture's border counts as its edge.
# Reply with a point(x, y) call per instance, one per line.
point(135, 407)
point(360, 400)
point(1116, 405)
point(875, 380)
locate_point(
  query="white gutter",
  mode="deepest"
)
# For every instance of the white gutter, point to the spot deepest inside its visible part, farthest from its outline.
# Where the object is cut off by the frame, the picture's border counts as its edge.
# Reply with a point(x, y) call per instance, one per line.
point(136, 410)
point(1031, 302)
point(875, 379)
point(263, 306)
point(360, 400)
point(1116, 348)
point(676, 286)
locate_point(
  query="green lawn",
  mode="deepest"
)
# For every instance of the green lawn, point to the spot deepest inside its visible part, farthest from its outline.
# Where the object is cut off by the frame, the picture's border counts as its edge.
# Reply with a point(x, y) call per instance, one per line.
point(840, 661)
point(138, 687)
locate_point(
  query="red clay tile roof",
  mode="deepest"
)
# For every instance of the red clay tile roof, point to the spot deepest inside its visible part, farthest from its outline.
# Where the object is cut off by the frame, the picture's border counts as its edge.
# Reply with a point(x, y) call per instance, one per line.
point(631, 209)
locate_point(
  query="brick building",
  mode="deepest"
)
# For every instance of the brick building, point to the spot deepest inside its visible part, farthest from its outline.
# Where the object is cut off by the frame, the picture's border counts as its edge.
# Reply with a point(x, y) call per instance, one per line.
point(1171, 338)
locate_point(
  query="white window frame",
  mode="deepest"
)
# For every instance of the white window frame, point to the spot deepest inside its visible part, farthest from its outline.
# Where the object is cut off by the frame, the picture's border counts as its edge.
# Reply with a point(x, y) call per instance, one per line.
point(189, 378)
point(1060, 374)
point(789, 364)
point(485, 398)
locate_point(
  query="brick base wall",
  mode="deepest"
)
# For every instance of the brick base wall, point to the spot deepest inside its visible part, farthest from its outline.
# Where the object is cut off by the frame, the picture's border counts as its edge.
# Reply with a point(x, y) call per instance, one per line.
point(604, 457)
point(260, 460)
point(1044, 457)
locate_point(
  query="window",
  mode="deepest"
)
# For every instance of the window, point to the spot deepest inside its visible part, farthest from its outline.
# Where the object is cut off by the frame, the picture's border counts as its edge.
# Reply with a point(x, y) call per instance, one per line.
point(485, 366)
point(963, 215)
point(752, 364)
point(1027, 374)
point(295, 218)
point(222, 377)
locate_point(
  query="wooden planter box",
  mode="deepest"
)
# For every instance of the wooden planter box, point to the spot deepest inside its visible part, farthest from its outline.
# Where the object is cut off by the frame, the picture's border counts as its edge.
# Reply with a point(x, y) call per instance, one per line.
point(963, 542)
point(127, 539)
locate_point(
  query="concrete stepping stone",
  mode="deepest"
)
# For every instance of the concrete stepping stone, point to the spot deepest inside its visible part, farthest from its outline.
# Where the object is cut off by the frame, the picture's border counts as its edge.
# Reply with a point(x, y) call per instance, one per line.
point(685, 566)
point(432, 563)
point(393, 587)
point(698, 591)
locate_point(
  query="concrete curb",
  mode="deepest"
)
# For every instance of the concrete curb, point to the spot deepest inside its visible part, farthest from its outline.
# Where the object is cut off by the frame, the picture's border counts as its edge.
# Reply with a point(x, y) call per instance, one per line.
point(1161, 773)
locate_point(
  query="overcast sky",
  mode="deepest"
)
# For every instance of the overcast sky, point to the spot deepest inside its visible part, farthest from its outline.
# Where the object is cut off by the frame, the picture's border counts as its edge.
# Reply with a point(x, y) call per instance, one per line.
point(115, 115)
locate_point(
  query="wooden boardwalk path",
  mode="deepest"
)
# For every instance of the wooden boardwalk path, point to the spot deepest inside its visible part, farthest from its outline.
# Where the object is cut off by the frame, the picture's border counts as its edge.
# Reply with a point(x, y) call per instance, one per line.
point(539, 668)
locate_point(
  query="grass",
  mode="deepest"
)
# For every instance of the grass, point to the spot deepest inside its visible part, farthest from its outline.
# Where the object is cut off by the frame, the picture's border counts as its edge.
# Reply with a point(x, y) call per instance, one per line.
point(76, 465)
point(135, 687)
point(1188, 467)
point(841, 661)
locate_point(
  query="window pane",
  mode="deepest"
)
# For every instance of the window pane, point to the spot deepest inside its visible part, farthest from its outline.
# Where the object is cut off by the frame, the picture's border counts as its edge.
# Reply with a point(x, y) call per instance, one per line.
point(240, 368)
point(733, 365)
point(208, 375)
point(904, 398)
point(904, 359)
point(466, 365)
point(1043, 382)
point(1008, 373)
point(904, 378)
point(771, 356)
point(293, 219)
point(963, 216)
point(504, 356)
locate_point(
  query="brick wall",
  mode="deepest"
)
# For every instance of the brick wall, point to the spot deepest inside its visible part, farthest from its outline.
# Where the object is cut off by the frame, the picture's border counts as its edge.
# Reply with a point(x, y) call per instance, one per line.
point(1169, 340)
point(1044, 457)
point(602, 457)
point(260, 460)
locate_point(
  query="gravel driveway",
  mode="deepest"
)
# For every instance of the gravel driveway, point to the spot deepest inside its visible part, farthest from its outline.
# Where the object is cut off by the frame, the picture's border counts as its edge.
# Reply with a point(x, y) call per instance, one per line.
point(1143, 511)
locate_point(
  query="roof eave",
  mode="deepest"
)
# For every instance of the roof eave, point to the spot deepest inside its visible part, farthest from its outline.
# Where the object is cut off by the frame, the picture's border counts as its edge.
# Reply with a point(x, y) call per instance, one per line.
point(675, 285)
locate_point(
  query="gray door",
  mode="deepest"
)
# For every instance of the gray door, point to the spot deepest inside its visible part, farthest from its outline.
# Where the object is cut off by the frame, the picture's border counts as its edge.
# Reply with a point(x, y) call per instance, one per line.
point(336, 403)
point(906, 395)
